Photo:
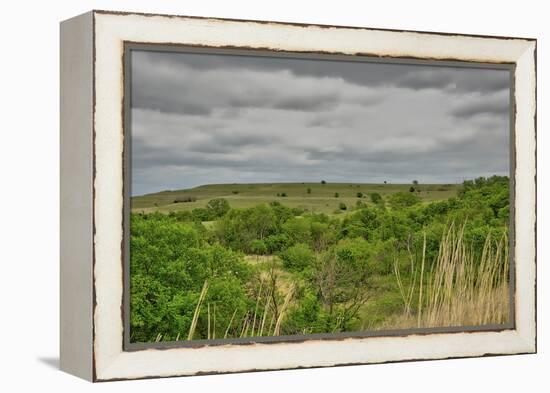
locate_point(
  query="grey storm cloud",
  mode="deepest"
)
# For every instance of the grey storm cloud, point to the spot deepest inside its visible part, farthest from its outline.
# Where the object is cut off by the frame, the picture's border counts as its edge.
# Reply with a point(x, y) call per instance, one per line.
point(412, 76)
point(185, 89)
point(199, 119)
point(495, 104)
point(462, 80)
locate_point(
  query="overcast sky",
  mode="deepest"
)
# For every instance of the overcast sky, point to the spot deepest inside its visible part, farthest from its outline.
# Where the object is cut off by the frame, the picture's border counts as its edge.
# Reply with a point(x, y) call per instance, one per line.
point(203, 119)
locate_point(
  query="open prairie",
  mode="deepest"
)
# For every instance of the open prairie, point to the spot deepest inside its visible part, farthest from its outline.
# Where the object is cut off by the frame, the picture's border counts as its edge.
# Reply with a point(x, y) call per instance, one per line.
point(313, 197)
point(236, 260)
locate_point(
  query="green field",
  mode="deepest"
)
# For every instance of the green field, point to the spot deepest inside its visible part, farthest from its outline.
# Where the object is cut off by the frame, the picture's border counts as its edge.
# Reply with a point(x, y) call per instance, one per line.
point(321, 199)
point(227, 262)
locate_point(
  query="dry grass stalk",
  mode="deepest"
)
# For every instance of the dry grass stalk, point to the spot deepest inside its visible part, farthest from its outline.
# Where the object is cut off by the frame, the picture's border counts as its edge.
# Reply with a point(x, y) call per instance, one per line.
point(461, 290)
point(406, 293)
point(214, 324)
point(419, 317)
point(197, 311)
point(266, 308)
point(288, 298)
point(256, 308)
point(230, 323)
point(245, 325)
point(208, 324)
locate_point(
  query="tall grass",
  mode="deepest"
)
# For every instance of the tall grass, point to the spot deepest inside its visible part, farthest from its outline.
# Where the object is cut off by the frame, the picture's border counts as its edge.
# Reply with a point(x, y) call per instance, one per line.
point(197, 312)
point(461, 289)
point(252, 324)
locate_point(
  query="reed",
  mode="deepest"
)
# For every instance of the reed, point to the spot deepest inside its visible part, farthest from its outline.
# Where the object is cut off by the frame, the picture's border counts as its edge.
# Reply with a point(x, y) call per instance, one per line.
point(288, 298)
point(461, 289)
point(230, 323)
point(197, 311)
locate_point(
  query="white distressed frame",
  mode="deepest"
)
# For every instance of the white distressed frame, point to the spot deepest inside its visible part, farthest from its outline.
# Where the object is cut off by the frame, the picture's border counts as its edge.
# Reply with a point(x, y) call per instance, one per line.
point(111, 30)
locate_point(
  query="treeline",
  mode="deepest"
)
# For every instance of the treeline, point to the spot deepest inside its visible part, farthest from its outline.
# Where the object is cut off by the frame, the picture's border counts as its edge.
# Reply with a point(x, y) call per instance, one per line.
point(318, 271)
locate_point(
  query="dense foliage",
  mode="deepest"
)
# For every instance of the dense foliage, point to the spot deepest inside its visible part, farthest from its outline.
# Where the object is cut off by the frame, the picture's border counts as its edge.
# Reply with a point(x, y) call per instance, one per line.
point(271, 269)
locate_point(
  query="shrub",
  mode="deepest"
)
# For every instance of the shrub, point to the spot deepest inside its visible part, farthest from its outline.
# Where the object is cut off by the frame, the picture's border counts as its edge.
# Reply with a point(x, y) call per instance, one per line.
point(258, 247)
point(276, 243)
point(309, 190)
point(359, 195)
point(403, 199)
point(342, 206)
point(185, 199)
point(375, 198)
point(297, 257)
point(283, 194)
point(217, 207)
point(298, 230)
point(201, 214)
point(336, 195)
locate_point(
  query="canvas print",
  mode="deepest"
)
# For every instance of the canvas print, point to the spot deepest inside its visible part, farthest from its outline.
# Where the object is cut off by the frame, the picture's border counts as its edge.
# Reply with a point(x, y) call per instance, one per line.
point(285, 196)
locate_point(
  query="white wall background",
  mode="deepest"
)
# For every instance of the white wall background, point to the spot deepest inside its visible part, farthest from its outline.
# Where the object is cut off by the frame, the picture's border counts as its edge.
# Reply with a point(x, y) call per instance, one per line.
point(29, 183)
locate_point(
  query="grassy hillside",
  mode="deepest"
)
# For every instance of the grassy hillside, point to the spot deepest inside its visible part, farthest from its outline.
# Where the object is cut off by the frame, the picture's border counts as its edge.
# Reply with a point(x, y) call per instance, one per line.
point(271, 270)
point(320, 199)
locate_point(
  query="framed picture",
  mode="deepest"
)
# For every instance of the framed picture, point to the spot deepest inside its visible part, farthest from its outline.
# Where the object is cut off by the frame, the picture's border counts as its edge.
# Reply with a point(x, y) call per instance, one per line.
point(245, 195)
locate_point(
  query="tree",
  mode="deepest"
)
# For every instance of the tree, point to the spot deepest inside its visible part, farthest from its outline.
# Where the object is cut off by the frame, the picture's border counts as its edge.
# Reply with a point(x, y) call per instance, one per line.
point(298, 230)
point(201, 214)
point(258, 247)
point(342, 206)
point(321, 235)
point(218, 207)
point(359, 195)
point(309, 190)
point(297, 257)
point(341, 277)
point(323, 182)
point(415, 182)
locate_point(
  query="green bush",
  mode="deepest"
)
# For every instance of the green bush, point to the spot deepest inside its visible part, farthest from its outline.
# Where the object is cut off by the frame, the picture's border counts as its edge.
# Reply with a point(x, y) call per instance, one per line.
point(375, 198)
point(258, 247)
point(297, 257)
point(401, 200)
point(217, 207)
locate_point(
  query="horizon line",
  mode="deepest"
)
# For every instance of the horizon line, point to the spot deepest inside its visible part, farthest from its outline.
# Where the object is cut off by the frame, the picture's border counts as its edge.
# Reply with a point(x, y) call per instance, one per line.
point(298, 182)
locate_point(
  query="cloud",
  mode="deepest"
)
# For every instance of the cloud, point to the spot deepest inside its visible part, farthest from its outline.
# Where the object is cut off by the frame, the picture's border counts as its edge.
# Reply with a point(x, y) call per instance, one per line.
point(362, 73)
point(495, 104)
point(189, 90)
point(459, 80)
point(200, 119)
